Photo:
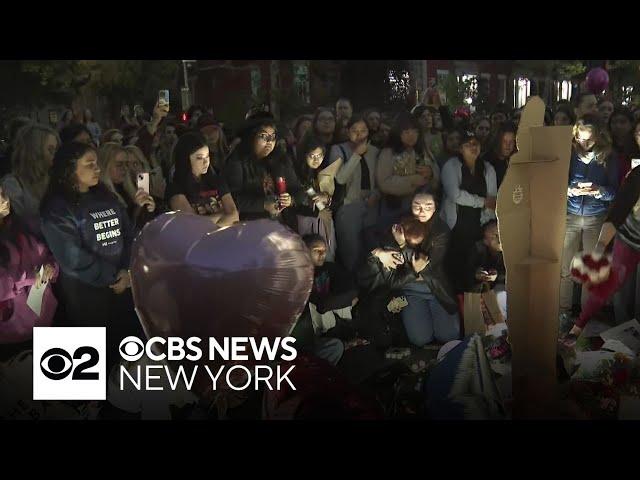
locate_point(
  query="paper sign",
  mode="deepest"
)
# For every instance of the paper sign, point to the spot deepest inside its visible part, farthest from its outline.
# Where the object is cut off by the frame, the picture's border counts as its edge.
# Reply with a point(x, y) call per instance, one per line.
point(34, 300)
point(617, 346)
point(628, 334)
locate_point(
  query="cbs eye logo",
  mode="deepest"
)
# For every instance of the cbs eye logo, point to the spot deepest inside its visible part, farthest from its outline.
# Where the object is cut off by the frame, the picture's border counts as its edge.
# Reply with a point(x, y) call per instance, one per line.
point(69, 363)
point(131, 349)
point(57, 364)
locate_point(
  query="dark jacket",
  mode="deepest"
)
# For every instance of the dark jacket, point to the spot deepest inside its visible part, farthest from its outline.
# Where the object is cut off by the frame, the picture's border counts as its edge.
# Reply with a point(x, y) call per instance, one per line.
point(251, 180)
point(91, 239)
point(333, 288)
point(373, 276)
point(483, 258)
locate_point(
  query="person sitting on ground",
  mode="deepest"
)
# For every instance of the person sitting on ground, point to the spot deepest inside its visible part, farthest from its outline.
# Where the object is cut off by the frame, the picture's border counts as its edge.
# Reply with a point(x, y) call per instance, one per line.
point(333, 289)
point(487, 265)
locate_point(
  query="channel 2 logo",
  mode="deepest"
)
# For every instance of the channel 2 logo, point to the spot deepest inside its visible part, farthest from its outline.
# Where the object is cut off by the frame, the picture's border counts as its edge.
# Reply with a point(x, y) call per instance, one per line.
point(69, 363)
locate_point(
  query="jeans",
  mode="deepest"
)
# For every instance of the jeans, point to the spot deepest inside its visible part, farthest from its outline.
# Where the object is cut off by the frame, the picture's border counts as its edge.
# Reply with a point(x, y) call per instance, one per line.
point(351, 222)
point(424, 318)
point(581, 234)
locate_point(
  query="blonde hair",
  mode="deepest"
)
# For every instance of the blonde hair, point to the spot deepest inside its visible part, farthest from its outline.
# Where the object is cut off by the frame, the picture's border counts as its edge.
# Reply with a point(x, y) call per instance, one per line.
point(106, 155)
point(28, 163)
point(602, 146)
point(135, 152)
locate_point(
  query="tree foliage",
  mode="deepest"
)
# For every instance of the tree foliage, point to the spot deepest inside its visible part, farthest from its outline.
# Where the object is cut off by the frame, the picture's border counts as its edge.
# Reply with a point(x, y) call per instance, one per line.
point(39, 82)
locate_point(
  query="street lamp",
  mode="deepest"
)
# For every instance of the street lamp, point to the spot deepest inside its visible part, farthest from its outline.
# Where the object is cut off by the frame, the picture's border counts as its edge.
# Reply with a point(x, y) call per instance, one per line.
point(186, 97)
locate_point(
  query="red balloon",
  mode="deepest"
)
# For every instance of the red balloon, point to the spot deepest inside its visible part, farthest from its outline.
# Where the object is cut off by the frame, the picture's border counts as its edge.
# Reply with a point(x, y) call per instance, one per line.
point(191, 278)
point(597, 80)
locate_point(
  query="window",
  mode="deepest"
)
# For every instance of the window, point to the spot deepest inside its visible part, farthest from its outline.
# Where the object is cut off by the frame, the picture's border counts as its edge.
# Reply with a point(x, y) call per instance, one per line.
point(442, 75)
point(256, 81)
point(471, 84)
point(626, 95)
point(484, 85)
point(301, 81)
point(564, 89)
point(521, 91)
point(501, 94)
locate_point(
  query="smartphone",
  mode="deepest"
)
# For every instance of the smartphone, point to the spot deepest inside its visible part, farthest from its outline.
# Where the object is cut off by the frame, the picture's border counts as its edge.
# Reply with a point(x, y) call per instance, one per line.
point(163, 99)
point(143, 181)
point(635, 162)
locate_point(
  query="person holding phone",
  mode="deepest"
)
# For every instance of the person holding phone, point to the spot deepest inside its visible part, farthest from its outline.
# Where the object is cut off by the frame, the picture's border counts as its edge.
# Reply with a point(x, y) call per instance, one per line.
point(487, 265)
point(117, 173)
point(592, 186)
point(195, 187)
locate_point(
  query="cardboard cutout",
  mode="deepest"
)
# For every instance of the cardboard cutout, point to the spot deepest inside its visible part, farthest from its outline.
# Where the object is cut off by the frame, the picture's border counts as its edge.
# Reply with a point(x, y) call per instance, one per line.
point(531, 211)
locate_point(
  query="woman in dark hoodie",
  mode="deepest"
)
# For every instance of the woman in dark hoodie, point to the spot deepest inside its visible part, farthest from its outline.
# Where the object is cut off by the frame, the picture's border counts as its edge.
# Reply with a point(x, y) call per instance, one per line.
point(87, 229)
point(432, 309)
point(252, 172)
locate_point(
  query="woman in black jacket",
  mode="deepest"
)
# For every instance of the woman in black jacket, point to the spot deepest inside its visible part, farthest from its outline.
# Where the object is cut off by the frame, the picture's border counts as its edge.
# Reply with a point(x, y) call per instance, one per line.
point(252, 172)
point(418, 270)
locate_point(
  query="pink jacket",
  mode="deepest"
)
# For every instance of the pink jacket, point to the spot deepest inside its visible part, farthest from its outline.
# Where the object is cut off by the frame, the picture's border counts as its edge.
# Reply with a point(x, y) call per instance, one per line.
point(16, 317)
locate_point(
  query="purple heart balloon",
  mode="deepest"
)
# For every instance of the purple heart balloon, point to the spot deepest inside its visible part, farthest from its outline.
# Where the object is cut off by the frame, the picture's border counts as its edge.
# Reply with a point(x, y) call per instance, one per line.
point(597, 80)
point(191, 278)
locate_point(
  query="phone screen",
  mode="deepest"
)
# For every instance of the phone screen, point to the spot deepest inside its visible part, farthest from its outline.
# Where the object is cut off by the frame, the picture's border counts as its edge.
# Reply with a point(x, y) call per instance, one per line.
point(163, 99)
point(635, 162)
point(143, 182)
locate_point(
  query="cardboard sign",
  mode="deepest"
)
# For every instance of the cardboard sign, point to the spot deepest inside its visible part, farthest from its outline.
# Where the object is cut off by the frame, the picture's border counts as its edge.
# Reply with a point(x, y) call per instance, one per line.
point(481, 311)
point(531, 212)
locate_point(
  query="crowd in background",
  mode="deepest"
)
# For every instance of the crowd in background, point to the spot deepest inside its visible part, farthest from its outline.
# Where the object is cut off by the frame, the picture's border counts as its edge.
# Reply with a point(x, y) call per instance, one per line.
point(388, 205)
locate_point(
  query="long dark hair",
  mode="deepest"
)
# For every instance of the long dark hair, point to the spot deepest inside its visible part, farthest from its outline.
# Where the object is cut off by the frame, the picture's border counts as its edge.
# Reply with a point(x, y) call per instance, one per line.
point(187, 145)
point(405, 121)
point(306, 174)
point(245, 148)
point(63, 180)
point(12, 232)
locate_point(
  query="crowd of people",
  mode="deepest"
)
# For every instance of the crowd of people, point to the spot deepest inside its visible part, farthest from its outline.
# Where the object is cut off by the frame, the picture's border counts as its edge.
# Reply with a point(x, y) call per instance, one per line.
point(388, 205)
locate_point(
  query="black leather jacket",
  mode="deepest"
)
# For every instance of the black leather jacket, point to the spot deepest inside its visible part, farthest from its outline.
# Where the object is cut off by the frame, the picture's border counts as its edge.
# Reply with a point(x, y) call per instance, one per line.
point(372, 276)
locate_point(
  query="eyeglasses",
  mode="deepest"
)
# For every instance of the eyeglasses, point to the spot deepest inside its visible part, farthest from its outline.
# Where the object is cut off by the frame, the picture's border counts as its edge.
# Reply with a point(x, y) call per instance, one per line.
point(326, 119)
point(483, 129)
point(266, 138)
point(317, 156)
point(426, 208)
